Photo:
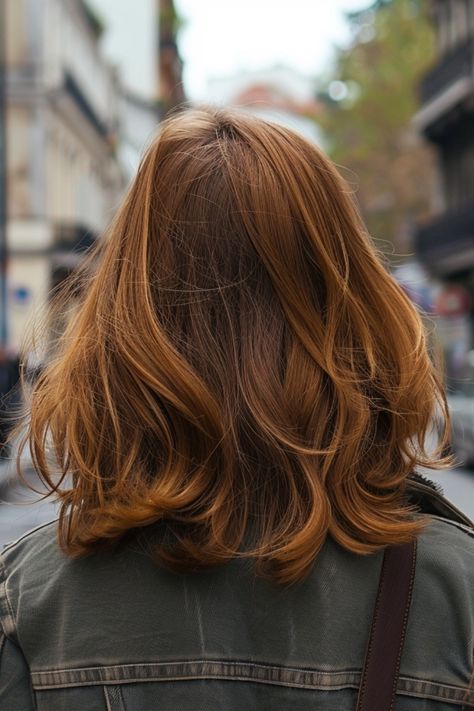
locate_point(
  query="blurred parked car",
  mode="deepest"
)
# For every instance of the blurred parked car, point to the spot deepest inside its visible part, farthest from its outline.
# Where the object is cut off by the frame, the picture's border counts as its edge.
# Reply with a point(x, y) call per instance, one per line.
point(461, 406)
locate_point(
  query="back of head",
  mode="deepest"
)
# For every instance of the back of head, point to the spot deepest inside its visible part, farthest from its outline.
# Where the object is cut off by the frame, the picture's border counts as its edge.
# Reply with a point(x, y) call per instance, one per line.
point(240, 361)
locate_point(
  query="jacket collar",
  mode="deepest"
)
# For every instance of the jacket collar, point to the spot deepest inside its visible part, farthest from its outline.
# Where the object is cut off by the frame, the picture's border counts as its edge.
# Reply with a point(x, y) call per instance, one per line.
point(429, 498)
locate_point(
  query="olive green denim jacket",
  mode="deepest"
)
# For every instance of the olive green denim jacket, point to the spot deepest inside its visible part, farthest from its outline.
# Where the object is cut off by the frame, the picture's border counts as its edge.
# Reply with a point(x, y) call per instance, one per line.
point(114, 632)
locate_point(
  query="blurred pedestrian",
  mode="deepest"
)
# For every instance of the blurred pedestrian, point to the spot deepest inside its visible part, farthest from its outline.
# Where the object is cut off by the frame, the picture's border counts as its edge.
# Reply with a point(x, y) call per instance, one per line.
point(236, 414)
point(9, 397)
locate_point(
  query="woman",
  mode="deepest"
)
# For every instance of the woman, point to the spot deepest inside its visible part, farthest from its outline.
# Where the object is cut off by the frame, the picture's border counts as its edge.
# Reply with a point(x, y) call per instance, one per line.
point(231, 424)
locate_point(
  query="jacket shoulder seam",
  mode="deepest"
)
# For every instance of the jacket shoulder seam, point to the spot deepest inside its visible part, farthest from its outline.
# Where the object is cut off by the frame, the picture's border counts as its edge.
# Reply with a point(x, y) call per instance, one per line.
point(7, 617)
point(455, 524)
point(233, 670)
point(26, 535)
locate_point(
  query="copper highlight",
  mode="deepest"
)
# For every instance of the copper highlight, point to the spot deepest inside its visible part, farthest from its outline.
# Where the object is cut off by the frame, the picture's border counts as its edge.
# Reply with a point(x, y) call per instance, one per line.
point(242, 372)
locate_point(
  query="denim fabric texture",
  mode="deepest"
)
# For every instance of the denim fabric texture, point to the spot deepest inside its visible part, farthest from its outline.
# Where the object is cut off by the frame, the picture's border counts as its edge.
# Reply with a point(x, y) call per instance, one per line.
point(114, 632)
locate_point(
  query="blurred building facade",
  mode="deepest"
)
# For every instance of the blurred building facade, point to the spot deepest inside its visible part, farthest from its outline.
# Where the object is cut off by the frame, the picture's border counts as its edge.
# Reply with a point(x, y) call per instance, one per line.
point(445, 245)
point(170, 89)
point(63, 175)
point(139, 120)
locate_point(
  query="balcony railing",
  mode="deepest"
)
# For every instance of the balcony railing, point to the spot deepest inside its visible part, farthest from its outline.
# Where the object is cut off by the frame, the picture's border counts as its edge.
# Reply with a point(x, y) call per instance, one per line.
point(72, 88)
point(457, 64)
point(72, 238)
point(450, 234)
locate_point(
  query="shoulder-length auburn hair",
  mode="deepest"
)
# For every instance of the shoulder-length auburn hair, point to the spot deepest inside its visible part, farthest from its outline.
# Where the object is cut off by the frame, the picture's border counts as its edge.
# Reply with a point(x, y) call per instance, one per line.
point(240, 361)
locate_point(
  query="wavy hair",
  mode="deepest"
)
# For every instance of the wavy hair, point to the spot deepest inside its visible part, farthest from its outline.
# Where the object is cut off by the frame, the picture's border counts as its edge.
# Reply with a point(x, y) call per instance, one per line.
point(242, 375)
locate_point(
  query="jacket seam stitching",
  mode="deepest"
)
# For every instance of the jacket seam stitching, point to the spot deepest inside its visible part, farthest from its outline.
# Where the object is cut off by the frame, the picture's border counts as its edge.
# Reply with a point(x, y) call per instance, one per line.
point(454, 694)
point(107, 700)
point(8, 622)
point(409, 686)
point(455, 524)
point(351, 684)
point(227, 663)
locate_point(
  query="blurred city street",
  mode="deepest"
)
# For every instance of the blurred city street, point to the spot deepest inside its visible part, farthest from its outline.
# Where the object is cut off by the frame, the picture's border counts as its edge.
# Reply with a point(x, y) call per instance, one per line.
point(237, 315)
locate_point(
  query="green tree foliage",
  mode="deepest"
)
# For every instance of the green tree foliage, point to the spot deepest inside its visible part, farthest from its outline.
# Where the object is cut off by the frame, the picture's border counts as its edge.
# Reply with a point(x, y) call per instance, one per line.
point(370, 131)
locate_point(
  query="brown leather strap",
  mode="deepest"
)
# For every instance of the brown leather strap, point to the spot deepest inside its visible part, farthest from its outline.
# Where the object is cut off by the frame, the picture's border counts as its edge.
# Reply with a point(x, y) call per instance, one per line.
point(387, 636)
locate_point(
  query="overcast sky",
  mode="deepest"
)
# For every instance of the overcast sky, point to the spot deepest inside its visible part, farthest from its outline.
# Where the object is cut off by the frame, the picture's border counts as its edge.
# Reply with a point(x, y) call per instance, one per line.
point(222, 37)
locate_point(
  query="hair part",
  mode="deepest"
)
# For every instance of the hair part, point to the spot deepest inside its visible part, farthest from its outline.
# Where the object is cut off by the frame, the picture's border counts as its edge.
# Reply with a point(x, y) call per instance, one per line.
point(241, 368)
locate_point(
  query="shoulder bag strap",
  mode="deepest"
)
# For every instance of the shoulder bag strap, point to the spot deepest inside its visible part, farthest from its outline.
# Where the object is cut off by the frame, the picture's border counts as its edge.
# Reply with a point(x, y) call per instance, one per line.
point(387, 636)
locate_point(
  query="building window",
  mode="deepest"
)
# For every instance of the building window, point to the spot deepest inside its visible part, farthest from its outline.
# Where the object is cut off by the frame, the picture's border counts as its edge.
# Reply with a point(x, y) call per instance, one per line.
point(442, 22)
point(463, 9)
point(452, 6)
point(458, 170)
point(469, 15)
